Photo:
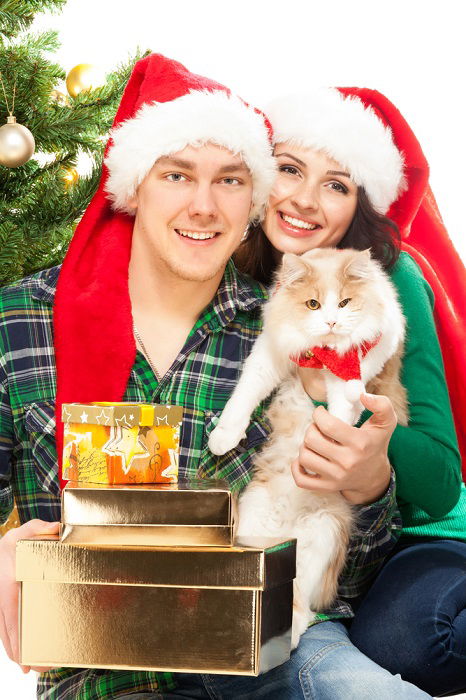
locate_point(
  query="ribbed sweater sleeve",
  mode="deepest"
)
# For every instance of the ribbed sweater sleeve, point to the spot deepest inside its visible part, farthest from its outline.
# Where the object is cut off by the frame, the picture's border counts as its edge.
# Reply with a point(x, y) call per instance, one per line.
point(425, 453)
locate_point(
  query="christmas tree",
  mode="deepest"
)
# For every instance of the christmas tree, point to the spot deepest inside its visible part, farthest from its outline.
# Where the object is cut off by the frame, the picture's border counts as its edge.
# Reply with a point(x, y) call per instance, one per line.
point(42, 200)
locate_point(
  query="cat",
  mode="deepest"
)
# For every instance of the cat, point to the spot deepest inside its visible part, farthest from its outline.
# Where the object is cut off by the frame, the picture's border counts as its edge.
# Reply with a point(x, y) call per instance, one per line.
point(329, 307)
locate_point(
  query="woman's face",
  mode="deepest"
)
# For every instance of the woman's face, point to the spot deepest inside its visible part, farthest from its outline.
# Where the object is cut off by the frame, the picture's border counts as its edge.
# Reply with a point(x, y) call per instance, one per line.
point(313, 201)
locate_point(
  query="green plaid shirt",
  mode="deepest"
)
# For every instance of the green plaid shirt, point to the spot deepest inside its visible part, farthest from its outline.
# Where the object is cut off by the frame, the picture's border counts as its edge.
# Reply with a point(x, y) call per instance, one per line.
point(201, 380)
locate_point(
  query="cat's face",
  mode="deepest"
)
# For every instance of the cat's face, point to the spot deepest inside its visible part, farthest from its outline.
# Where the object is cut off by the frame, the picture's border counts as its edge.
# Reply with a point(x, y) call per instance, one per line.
point(330, 296)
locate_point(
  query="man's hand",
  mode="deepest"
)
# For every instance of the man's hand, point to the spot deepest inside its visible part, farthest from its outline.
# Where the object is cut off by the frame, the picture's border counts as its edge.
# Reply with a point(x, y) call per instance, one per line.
point(338, 457)
point(9, 587)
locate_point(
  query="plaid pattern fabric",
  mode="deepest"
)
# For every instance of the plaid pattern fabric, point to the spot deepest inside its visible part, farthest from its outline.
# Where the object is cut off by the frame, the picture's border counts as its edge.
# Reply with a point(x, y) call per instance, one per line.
point(201, 380)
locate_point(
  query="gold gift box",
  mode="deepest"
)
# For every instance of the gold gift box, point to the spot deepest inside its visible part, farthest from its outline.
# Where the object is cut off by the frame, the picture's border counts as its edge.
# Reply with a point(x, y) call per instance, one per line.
point(202, 610)
point(121, 443)
point(185, 514)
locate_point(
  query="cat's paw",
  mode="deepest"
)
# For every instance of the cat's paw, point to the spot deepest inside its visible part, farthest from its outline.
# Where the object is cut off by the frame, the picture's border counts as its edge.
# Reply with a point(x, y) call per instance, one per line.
point(224, 438)
point(353, 389)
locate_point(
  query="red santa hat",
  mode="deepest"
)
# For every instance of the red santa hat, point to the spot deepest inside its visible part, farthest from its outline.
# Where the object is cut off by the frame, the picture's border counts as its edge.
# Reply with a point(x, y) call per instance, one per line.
point(164, 108)
point(425, 237)
point(348, 131)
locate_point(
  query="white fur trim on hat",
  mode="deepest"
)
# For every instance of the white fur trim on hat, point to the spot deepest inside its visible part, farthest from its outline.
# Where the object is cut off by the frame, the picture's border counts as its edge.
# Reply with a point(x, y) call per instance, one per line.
point(196, 118)
point(348, 132)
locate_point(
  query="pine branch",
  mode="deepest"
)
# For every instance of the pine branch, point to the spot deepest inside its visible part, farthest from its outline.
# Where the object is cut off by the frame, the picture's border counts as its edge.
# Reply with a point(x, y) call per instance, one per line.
point(18, 15)
point(38, 210)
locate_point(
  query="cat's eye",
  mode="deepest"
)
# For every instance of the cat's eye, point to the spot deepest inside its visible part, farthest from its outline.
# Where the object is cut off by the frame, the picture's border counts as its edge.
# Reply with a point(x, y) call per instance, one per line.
point(312, 304)
point(343, 303)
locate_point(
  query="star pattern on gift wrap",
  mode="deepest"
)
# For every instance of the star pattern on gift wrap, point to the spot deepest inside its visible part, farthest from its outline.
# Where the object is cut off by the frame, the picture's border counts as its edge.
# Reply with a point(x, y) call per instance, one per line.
point(122, 422)
point(162, 421)
point(104, 417)
point(171, 472)
point(84, 416)
point(67, 414)
point(124, 442)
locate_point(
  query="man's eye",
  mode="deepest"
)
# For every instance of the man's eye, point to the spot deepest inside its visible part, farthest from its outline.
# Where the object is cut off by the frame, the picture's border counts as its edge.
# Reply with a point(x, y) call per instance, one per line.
point(343, 303)
point(312, 304)
point(231, 181)
point(175, 177)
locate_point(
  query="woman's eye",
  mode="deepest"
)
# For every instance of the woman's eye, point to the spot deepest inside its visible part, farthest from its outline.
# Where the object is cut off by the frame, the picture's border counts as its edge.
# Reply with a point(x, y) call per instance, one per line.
point(289, 169)
point(312, 304)
point(338, 187)
point(175, 177)
point(343, 303)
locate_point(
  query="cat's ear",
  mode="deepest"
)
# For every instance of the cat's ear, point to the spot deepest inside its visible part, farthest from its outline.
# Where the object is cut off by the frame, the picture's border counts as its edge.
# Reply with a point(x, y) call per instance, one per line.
point(359, 266)
point(293, 269)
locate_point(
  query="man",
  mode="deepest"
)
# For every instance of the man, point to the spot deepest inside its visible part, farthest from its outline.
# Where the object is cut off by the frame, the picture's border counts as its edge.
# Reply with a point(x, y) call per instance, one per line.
point(187, 168)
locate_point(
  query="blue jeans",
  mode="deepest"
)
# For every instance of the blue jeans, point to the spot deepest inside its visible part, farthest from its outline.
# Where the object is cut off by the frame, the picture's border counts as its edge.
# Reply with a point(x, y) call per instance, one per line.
point(325, 666)
point(413, 620)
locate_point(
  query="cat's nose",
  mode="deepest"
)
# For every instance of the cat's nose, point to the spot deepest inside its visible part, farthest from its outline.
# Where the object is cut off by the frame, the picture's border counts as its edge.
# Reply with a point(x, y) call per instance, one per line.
point(331, 323)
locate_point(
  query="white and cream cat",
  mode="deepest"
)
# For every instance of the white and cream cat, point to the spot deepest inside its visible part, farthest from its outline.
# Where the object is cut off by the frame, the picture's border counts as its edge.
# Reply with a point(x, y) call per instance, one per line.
point(330, 307)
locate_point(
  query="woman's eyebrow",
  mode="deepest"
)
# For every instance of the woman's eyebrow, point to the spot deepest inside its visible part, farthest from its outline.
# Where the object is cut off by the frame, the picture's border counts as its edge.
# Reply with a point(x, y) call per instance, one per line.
point(288, 155)
point(338, 172)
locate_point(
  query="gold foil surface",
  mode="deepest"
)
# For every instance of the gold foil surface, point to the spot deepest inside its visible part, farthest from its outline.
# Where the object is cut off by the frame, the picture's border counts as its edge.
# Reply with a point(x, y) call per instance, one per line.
point(208, 628)
point(122, 443)
point(148, 535)
point(185, 514)
point(223, 567)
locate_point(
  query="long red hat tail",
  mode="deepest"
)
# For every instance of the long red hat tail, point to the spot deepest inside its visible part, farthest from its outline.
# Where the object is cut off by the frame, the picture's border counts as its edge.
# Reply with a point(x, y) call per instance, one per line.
point(424, 236)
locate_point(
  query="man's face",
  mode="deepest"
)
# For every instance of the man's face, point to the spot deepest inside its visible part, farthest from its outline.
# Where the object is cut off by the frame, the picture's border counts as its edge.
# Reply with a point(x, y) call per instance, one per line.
point(192, 210)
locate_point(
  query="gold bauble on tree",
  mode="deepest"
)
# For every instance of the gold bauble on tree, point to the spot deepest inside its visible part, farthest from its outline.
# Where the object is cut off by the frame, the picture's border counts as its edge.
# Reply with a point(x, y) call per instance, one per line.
point(60, 98)
point(16, 144)
point(70, 177)
point(83, 77)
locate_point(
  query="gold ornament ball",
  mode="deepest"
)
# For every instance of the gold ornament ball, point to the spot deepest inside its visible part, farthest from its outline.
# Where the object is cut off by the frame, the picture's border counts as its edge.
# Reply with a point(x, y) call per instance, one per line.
point(16, 144)
point(71, 177)
point(83, 77)
point(60, 98)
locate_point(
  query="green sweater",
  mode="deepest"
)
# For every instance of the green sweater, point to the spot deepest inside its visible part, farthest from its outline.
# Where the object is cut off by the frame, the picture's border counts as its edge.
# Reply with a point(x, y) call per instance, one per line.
point(425, 453)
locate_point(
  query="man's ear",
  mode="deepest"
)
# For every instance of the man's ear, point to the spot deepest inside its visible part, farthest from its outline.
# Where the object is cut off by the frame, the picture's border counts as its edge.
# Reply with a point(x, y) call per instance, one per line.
point(133, 201)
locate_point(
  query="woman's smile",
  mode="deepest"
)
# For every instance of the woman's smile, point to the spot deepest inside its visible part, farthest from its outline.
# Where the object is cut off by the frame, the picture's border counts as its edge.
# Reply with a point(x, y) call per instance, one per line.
point(296, 226)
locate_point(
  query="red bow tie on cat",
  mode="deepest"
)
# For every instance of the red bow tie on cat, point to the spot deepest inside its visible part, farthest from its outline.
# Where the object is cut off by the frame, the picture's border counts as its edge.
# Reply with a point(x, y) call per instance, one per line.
point(346, 366)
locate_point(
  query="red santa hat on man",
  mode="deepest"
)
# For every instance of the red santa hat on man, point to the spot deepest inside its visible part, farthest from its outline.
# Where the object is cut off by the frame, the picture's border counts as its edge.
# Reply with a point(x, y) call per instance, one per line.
point(364, 132)
point(164, 109)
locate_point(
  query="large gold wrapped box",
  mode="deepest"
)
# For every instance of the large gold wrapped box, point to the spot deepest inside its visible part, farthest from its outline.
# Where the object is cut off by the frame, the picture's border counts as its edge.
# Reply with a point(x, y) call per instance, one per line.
point(121, 443)
point(203, 610)
point(195, 513)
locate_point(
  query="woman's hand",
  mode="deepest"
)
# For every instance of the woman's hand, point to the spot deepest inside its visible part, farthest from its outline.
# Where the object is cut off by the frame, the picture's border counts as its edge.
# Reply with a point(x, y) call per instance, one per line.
point(338, 457)
point(9, 587)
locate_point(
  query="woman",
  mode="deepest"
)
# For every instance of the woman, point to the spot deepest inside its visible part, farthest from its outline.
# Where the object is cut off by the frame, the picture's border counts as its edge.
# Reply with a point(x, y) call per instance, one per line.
point(340, 172)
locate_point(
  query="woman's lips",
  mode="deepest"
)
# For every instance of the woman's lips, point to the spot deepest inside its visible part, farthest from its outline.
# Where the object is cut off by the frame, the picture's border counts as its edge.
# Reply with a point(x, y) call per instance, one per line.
point(295, 231)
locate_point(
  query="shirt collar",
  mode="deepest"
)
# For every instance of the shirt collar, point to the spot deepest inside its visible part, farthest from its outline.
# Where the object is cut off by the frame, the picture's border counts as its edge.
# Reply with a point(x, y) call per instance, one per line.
point(45, 284)
point(236, 292)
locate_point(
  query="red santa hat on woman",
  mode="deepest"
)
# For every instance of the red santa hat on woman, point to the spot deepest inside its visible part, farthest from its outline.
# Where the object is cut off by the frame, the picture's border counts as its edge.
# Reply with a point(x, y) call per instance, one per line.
point(164, 109)
point(365, 133)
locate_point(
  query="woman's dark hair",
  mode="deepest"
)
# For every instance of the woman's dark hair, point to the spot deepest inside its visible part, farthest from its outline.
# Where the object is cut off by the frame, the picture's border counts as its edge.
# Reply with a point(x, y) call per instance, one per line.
point(257, 257)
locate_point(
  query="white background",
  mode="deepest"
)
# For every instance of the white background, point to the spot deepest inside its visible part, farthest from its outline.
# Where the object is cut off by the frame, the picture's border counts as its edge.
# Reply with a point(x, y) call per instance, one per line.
point(411, 50)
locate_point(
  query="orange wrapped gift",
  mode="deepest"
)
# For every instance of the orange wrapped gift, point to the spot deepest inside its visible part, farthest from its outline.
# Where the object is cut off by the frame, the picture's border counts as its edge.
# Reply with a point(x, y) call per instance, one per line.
point(121, 443)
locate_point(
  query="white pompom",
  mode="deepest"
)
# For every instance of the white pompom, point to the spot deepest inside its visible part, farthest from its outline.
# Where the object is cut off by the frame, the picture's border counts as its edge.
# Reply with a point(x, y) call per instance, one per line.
point(353, 389)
